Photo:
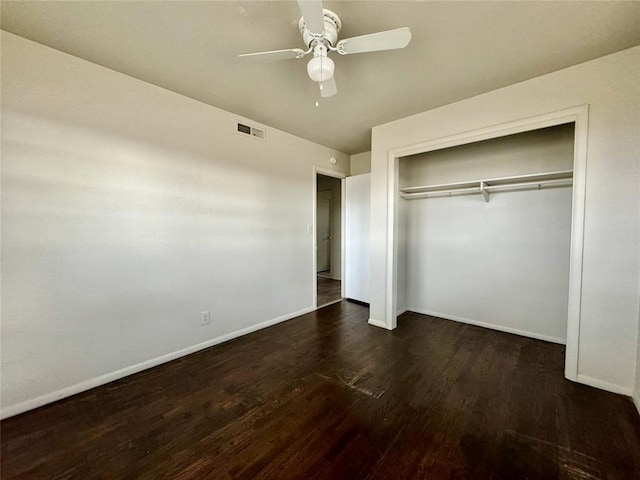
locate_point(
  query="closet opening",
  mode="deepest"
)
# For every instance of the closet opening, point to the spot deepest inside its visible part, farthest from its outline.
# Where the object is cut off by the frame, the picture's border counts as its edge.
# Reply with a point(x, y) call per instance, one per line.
point(487, 227)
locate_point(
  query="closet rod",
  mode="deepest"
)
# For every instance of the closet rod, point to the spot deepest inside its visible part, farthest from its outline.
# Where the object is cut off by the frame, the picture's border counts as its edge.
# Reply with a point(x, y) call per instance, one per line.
point(487, 188)
point(540, 183)
point(535, 177)
point(441, 193)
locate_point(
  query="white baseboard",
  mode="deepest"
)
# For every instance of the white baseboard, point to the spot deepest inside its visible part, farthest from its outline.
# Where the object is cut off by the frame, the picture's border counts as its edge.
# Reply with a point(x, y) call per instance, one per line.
point(377, 323)
point(492, 326)
point(22, 407)
point(636, 401)
point(602, 385)
point(401, 311)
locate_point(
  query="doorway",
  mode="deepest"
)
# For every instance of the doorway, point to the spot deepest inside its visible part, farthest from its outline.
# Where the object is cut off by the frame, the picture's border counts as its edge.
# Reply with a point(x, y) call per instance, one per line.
point(328, 239)
point(579, 117)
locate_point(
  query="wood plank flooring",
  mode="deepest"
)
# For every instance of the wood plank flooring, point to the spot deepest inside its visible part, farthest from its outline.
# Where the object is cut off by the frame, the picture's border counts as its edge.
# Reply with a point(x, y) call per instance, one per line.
point(328, 290)
point(326, 396)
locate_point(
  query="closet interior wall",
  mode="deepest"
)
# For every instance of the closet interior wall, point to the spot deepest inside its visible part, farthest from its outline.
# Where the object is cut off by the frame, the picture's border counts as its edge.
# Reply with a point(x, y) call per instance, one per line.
point(501, 263)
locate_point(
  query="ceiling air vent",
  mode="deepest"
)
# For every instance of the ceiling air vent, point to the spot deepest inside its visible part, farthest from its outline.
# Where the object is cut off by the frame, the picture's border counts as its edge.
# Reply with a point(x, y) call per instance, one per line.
point(251, 131)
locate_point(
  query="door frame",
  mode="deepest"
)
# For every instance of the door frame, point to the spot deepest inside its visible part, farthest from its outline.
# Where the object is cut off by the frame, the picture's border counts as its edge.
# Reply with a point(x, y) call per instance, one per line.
point(579, 116)
point(340, 176)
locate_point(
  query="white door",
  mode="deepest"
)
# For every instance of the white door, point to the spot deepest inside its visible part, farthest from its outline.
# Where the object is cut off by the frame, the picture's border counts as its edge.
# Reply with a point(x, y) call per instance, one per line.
point(358, 210)
point(323, 230)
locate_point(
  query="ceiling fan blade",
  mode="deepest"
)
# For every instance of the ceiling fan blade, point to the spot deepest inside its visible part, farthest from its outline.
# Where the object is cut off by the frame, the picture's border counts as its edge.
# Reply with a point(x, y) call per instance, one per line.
point(313, 15)
point(274, 55)
point(389, 40)
point(328, 88)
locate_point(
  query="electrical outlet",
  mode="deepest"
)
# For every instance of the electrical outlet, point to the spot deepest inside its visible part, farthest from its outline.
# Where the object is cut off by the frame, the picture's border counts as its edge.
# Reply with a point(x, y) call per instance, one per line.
point(205, 318)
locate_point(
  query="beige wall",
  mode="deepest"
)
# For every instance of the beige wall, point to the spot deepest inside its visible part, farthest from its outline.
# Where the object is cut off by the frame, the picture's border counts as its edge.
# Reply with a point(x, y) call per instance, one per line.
point(611, 263)
point(361, 163)
point(126, 211)
point(636, 394)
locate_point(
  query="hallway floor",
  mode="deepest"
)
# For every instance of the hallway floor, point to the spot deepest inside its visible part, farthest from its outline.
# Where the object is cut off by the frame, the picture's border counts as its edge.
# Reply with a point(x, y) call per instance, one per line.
point(328, 290)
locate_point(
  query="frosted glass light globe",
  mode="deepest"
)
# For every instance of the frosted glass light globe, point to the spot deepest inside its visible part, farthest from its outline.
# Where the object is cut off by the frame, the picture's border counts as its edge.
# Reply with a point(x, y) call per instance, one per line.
point(320, 68)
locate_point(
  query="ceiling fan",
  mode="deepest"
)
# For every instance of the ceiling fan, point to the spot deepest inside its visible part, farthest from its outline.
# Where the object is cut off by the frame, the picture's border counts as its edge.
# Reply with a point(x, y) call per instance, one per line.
point(319, 28)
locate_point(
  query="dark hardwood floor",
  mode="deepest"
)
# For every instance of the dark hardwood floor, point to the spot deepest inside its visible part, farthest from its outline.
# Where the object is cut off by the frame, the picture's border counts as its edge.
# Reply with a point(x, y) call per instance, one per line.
point(325, 396)
point(328, 290)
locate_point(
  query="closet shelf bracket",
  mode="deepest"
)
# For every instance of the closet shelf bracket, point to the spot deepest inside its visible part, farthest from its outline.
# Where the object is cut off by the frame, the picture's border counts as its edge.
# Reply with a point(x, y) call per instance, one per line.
point(484, 191)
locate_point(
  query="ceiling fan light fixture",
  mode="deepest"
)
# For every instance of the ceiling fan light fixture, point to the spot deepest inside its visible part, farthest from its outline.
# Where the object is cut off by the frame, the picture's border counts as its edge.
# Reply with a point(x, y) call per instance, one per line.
point(320, 68)
point(320, 28)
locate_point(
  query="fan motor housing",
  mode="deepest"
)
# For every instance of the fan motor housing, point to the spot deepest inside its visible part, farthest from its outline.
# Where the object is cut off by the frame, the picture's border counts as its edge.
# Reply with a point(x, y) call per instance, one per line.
point(332, 26)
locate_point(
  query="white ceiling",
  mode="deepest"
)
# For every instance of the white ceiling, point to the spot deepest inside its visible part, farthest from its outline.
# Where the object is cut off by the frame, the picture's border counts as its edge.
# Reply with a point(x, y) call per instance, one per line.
point(459, 49)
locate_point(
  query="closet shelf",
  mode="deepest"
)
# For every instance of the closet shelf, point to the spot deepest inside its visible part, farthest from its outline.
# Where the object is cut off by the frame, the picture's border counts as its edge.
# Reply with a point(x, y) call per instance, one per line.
point(536, 180)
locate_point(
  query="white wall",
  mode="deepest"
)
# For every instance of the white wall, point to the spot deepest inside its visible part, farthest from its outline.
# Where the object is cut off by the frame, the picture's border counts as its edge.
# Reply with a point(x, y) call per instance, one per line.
point(610, 284)
point(357, 211)
point(402, 300)
point(126, 211)
point(334, 185)
point(636, 393)
point(360, 163)
point(502, 264)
